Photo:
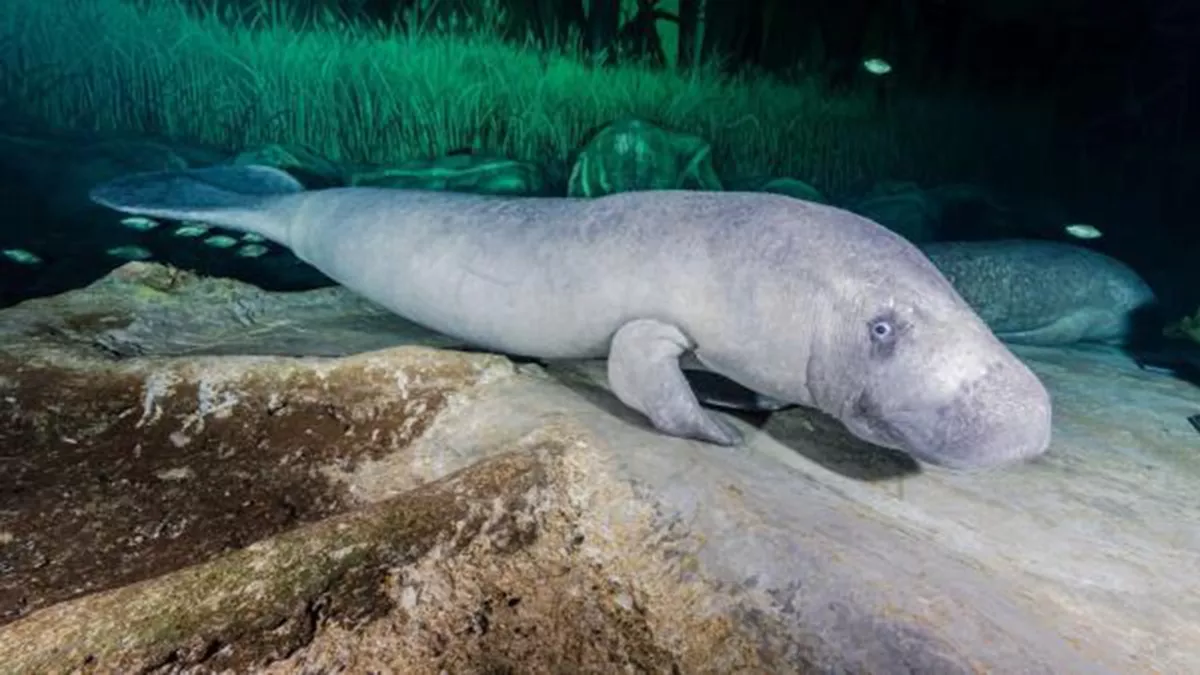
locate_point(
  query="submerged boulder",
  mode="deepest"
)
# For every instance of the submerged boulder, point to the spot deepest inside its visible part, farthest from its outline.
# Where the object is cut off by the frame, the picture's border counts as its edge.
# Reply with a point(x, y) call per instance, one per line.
point(902, 208)
point(632, 154)
point(791, 187)
point(1187, 327)
point(973, 212)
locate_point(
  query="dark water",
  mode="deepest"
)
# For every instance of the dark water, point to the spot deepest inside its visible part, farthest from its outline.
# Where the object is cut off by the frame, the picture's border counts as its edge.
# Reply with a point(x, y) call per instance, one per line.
point(1058, 114)
point(942, 121)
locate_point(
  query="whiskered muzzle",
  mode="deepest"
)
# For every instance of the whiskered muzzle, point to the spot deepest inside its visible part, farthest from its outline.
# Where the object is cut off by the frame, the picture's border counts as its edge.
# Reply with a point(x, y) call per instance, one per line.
point(1001, 418)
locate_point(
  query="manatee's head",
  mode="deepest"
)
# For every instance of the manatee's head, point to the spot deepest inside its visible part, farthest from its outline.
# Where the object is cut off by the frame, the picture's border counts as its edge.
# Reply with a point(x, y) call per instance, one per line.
point(854, 320)
point(904, 362)
point(927, 377)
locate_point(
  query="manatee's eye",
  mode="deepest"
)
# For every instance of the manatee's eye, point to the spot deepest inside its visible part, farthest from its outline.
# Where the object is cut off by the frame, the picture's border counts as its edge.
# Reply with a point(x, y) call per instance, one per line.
point(882, 330)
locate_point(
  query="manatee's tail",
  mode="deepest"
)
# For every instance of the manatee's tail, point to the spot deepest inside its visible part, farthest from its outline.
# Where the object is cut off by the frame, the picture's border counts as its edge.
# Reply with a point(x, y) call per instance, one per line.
point(227, 196)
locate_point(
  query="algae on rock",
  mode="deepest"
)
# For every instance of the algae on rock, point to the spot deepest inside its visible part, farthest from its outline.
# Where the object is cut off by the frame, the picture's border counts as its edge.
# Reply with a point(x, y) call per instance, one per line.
point(475, 173)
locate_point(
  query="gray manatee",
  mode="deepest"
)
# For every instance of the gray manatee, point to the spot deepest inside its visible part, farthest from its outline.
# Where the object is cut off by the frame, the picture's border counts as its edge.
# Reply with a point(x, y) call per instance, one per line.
point(1043, 292)
point(801, 302)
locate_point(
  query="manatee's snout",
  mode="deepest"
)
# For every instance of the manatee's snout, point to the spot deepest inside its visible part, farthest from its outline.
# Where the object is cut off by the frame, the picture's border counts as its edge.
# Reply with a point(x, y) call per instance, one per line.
point(1001, 417)
point(975, 407)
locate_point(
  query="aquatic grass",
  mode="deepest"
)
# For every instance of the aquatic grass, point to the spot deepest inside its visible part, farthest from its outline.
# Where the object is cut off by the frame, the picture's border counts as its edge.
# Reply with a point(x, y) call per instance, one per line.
point(358, 94)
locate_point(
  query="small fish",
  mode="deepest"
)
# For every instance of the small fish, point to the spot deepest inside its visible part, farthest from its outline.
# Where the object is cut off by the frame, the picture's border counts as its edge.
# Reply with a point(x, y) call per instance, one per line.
point(139, 223)
point(253, 238)
point(192, 229)
point(221, 241)
point(251, 250)
point(129, 252)
point(877, 66)
point(1081, 231)
point(20, 255)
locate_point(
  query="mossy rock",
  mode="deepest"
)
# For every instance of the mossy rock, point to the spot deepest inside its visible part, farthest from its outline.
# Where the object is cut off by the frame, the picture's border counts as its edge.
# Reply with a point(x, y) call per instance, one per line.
point(902, 208)
point(792, 187)
point(1187, 328)
point(631, 154)
point(891, 188)
point(308, 166)
point(477, 173)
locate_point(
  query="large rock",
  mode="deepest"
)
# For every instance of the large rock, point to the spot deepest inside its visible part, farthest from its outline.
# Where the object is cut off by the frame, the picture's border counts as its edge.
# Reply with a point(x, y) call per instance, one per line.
point(413, 509)
point(158, 310)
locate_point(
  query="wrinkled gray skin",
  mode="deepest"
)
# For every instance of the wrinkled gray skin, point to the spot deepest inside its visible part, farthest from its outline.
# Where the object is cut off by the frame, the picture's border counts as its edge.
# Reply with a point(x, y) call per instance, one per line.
point(1043, 292)
point(801, 302)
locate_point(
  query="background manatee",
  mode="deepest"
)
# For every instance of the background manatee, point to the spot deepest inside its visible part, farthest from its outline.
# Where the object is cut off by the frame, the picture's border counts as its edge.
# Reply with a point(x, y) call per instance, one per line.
point(1047, 293)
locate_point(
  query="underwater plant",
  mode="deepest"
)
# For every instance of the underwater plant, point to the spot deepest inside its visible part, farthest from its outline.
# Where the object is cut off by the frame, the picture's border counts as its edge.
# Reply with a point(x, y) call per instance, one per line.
point(356, 93)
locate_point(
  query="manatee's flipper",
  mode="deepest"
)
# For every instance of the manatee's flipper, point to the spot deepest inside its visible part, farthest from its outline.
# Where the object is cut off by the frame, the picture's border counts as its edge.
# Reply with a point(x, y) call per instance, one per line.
point(227, 196)
point(644, 373)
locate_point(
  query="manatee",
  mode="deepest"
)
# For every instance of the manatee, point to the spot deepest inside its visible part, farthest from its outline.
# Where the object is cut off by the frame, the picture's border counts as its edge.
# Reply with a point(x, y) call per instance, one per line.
point(1045, 292)
point(801, 302)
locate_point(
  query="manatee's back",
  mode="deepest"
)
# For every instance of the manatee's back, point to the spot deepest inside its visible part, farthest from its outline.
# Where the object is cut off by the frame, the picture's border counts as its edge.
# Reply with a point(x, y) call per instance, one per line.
point(765, 283)
point(545, 276)
point(555, 276)
point(550, 277)
point(721, 250)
